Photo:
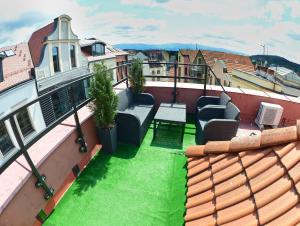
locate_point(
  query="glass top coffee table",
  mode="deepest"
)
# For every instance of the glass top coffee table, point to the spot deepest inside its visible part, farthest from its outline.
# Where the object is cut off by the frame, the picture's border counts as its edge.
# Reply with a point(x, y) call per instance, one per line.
point(172, 114)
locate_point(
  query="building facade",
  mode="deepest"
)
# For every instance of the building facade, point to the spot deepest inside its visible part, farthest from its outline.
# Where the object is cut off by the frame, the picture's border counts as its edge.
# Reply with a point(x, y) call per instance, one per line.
point(143, 58)
point(57, 59)
point(97, 51)
point(17, 88)
point(187, 56)
point(157, 60)
point(222, 65)
point(248, 80)
point(288, 79)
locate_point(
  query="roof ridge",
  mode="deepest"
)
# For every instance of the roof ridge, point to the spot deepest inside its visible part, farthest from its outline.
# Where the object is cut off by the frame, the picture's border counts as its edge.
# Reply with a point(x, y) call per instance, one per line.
point(267, 138)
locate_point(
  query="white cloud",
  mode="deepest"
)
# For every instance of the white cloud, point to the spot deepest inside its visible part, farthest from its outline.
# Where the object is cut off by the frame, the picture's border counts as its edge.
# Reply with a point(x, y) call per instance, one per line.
point(14, 8)
point(295, 8)
point(150, 3)
point(227, 9)
point(235, 29)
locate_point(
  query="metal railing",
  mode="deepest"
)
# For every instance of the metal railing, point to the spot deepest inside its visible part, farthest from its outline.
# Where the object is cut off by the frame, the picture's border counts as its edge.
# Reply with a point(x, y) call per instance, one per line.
point(76, 104)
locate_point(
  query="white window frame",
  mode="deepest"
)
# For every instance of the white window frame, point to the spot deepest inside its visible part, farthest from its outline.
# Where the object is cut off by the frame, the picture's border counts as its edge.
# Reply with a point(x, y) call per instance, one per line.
point(30, 135)
point(5, 158)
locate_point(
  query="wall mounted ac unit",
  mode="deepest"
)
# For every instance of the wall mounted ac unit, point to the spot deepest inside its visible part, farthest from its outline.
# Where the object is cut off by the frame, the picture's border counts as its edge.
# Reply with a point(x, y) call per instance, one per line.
point(268, 114)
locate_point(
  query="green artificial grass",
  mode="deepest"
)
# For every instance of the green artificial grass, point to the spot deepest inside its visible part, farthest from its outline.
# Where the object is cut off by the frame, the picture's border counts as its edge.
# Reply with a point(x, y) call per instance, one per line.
point(139, 186)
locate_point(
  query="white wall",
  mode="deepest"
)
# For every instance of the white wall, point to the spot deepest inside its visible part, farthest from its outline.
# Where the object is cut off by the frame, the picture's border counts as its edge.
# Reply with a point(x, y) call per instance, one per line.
point(146, 68)
point(14, 99)
point(218, 70)
point(63, 37)
point(109, 63)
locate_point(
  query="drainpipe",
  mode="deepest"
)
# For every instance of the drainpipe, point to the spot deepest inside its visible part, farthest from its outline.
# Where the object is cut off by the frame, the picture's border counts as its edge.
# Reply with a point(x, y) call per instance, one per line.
point(1, 67)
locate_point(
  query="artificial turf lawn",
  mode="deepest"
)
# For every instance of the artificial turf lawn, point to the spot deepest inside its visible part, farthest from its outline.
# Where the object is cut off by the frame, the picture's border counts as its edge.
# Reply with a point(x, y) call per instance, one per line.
point(136, 186)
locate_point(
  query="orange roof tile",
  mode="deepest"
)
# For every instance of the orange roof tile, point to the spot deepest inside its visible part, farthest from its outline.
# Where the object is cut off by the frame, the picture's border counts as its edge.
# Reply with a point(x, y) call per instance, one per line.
point(16, 68)
point(252, 180)
point(232, 61)
point(36, 42)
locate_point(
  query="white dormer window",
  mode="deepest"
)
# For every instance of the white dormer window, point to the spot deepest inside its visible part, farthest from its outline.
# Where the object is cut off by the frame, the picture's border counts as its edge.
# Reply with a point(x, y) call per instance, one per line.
point(98, 49)
point(9, 53)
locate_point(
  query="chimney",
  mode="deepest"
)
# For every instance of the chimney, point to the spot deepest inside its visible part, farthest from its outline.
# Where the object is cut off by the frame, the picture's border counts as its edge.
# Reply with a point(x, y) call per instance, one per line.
point(1, 67)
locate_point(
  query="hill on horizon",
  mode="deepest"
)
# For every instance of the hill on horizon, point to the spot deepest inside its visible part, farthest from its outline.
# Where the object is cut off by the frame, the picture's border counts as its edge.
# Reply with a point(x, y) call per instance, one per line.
point(276, 61)
point(172, 47)
point(271, 59)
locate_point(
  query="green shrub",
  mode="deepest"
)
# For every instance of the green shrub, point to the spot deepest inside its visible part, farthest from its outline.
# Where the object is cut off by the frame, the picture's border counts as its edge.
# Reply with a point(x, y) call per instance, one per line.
point(136, 78)
point(105, 100)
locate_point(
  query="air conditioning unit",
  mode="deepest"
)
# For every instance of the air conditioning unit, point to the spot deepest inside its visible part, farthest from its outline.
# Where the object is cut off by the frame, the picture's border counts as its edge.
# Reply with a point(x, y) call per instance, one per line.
point(268, 114)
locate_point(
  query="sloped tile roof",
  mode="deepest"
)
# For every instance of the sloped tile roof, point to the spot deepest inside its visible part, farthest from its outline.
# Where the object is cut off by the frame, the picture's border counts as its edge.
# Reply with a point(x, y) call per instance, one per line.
point(110, 51)
point(192, 54)
point(253, 180)
point(16, 68)
point(36, 41)
point(232, 61)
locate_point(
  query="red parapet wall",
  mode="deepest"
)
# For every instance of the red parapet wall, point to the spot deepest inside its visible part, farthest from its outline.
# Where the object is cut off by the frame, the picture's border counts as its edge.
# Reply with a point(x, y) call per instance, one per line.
point(29, 200)
point(248, 101)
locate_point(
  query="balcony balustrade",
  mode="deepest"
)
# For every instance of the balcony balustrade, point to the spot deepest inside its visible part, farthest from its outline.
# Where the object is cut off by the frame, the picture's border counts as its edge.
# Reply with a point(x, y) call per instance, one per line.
point(66, 146)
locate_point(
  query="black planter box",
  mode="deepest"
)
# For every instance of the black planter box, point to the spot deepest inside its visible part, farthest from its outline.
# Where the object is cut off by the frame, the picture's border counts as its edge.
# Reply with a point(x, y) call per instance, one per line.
point(108, 139)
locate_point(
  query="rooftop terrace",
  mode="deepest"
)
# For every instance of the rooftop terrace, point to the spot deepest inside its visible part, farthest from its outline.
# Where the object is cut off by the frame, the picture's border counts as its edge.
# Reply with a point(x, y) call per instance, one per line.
point(137, 185)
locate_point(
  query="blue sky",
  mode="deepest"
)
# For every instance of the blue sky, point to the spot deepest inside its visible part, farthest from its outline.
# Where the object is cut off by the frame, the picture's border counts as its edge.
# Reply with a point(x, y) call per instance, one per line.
point(236, 25)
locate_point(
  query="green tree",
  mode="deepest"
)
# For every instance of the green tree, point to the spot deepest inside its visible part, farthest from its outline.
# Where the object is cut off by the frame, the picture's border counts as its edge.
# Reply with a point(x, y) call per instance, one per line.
point(105, 100)
point(136, 78)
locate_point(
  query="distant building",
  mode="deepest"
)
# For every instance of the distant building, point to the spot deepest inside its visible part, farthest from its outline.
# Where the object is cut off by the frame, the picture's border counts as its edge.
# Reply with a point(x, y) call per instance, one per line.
point(98, 51)
point(222, 64)
point(154, 62)
point(190, 57)
point(57, 59)
point(142, 57)
point(248, 80)
point(121, 58)
point(138, 55)
point(288, 79)
point(286, 76)
point(17, 88)
point(157, 60)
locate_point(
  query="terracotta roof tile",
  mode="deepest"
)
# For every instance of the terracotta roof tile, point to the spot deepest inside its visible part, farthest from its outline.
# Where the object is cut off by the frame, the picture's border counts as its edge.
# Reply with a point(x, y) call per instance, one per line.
point(36, 41)
point(232, 61)
point(16, 68)
point(253, 180)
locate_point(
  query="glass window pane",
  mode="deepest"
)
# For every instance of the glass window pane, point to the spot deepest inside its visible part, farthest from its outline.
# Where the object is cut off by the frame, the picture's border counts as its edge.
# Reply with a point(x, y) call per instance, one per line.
point(55, 59)
point(24, 122)
point(98, 49)
point(72, 55)
point(61, 103)
point(5, 141)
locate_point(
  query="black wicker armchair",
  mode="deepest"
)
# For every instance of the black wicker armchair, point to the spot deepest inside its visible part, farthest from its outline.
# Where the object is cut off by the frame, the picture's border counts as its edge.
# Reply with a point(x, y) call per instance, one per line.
point(217, 123)
point(203, 101)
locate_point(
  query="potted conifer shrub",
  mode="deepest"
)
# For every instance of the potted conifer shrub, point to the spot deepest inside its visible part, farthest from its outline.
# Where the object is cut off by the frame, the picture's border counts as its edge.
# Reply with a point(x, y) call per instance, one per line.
point(104, 105)
point(136, 78)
